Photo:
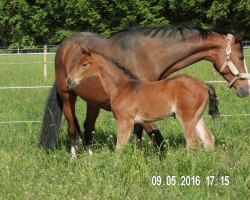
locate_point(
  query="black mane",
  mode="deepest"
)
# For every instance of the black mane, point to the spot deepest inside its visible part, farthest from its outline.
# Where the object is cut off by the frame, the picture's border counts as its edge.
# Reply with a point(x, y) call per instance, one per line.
point(169, 31)
point(125, 70)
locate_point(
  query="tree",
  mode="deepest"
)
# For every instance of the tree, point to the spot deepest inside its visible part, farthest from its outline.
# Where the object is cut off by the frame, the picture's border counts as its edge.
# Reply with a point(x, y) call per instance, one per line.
point(37, 22)
point(228, 14)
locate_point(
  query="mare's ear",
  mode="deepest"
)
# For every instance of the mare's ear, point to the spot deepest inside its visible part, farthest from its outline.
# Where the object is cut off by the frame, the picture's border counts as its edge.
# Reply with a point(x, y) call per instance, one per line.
point(238, 37)
point(85, 49)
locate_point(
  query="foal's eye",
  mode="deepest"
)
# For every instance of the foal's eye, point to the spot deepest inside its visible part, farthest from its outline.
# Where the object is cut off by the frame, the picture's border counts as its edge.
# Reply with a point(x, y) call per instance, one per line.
point(84, 64)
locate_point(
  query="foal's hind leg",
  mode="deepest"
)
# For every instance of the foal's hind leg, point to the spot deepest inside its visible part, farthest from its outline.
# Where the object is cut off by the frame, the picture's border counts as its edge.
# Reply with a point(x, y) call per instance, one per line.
point(89, 126)
point(188, 122)
point(205, 135)
point(69, 100)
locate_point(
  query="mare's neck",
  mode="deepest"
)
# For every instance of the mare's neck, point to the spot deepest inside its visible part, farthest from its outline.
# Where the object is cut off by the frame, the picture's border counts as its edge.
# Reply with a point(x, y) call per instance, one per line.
point(154, 58)
point(189, 51)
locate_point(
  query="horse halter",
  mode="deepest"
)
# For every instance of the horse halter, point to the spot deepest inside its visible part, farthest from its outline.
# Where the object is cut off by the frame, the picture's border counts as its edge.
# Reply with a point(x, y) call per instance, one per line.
point(231, 66)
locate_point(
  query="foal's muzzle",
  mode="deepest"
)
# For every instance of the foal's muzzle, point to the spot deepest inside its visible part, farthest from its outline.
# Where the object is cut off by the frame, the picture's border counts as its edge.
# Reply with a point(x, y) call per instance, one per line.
point(70, 83)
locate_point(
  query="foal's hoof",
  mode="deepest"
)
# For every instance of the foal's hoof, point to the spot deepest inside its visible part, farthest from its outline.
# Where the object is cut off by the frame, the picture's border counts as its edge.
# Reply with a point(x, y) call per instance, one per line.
point(73, 158)
point(209, 147)
point(193, 147)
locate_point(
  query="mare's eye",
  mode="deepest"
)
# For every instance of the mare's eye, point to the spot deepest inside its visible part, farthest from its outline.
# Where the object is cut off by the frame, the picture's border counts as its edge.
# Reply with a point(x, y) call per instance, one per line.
point(241, 57)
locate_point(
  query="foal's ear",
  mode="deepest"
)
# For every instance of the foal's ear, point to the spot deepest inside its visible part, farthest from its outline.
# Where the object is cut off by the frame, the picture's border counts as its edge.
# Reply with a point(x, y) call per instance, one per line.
point(85, 49)
point(239, 37)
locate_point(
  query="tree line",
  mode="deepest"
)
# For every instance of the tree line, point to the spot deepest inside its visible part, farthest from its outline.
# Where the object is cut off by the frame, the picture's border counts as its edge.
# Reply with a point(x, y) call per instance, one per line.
point(28, 23)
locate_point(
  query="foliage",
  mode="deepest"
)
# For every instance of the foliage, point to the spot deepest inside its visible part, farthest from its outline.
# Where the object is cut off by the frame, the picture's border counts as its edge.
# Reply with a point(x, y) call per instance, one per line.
point(229, 13)
point(37, 22)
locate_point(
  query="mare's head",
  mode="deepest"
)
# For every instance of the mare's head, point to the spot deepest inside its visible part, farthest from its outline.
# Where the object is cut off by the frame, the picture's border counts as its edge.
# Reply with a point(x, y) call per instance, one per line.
point(85, 69)
point(229, 61)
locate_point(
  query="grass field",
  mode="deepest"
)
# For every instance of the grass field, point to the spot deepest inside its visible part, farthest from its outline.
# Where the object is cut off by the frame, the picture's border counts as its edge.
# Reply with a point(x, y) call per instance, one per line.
point(27, 172)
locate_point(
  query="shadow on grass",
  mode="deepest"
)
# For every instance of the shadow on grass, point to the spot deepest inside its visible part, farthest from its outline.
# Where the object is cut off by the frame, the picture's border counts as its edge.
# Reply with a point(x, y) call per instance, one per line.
point(107, 139)
point(101, 139)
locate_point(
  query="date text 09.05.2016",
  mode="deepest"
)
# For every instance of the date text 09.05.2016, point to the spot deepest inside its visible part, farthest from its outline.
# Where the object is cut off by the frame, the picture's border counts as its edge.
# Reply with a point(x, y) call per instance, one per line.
point(190, 180)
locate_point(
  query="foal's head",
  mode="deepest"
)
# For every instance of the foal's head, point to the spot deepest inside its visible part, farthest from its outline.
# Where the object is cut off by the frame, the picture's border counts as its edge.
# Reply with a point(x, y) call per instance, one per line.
point(85, 69)
point(229, 61)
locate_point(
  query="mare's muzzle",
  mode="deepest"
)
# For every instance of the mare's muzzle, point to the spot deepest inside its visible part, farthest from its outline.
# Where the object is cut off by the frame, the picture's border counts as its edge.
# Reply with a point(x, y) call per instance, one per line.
point(243, 91)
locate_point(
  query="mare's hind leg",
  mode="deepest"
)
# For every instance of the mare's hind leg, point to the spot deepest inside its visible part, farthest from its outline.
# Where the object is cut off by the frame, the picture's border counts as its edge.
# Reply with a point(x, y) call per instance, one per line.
point(205, 135)
point(152, 131)
point(89, 126)
point(188, 122)
point(69, 100)
point(155, 134)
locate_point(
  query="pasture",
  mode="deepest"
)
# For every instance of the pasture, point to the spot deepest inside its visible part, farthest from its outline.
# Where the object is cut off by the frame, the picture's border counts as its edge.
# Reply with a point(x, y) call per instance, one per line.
point(27, 172)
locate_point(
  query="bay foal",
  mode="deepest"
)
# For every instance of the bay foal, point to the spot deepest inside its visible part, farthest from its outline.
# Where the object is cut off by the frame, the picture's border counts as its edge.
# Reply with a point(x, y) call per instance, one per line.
point(134, 101)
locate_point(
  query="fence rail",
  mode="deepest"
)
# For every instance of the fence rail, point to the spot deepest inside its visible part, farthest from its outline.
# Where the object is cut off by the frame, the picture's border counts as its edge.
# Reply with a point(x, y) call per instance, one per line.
point(39, 121)
point(30, 50)
point(49, 86)
point(44, 61)
point(46, 87)
point(246, 44)
point(24, 87)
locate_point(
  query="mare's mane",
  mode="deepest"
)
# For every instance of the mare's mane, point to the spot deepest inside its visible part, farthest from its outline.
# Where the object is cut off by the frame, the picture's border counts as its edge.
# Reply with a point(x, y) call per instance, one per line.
point(172, 31)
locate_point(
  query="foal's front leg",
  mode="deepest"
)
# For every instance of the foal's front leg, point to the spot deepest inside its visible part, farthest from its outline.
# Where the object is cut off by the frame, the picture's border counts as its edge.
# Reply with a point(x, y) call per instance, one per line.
point(125, 127)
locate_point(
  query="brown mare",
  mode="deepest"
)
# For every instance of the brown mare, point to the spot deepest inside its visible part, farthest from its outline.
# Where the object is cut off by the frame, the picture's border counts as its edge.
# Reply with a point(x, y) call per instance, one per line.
point(152, 54)
point(134, 101)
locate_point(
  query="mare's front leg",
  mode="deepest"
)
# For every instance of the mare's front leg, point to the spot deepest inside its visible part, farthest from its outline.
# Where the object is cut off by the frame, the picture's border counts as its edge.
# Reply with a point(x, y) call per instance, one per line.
point(138, 129)
point(89, 126)
point(125, 126)
point(69, 100)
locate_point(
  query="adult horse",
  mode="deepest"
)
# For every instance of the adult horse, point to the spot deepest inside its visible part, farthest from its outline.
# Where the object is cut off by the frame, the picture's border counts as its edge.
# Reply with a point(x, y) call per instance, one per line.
point(151, 54)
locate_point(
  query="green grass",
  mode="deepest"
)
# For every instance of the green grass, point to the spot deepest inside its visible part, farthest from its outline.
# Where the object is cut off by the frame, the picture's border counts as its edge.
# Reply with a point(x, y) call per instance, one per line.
point(27, 172)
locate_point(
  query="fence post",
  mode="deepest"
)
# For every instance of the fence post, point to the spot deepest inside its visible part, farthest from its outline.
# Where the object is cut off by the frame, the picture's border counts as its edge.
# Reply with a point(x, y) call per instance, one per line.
point(45, 62)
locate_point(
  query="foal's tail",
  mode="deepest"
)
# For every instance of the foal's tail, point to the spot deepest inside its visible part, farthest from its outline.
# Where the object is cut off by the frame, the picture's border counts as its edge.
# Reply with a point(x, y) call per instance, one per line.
point(213, 110)
point(51, 120)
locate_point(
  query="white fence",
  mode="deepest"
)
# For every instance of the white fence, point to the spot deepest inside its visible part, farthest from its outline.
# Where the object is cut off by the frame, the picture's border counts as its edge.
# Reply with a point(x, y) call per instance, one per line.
point(49, 50)
point(246, 44)
point(28, 50)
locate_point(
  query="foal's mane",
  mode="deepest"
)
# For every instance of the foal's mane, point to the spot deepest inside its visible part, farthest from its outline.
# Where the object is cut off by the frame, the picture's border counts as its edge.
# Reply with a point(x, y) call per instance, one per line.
point(167, 31)
point(123, 68)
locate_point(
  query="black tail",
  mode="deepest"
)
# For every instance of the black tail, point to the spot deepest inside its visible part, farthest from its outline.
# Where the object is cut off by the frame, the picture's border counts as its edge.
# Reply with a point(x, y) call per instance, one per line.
point(51, 120)
point(213, 110)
